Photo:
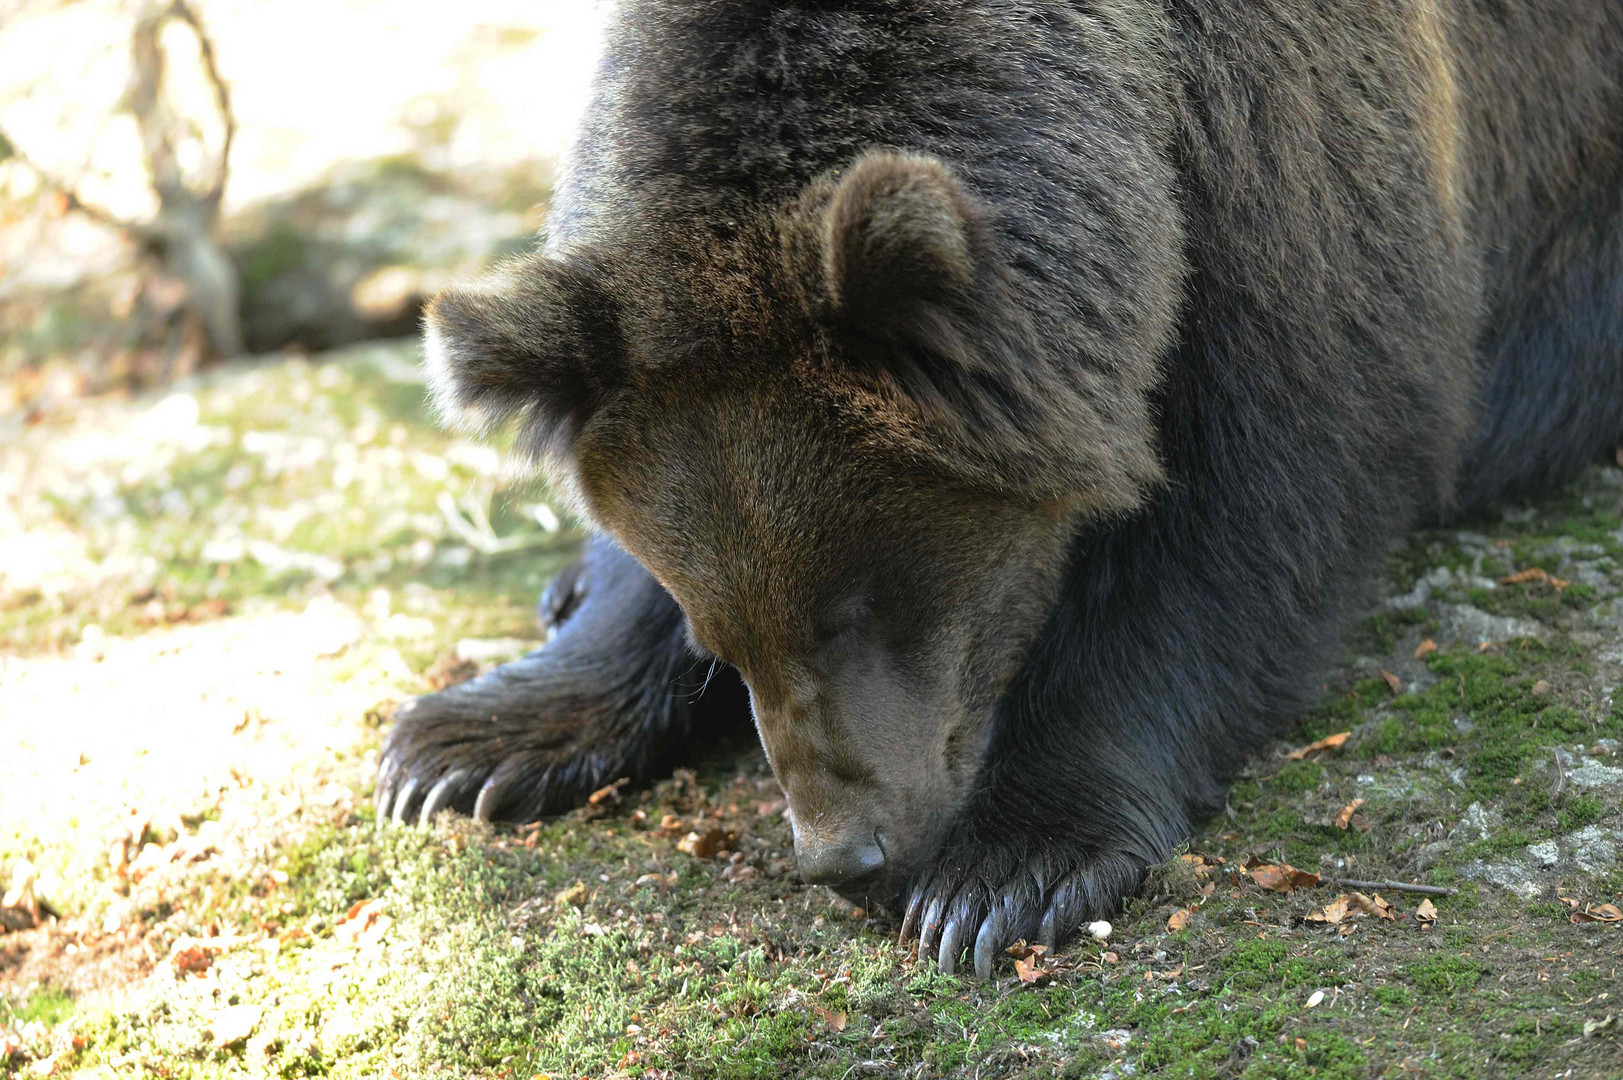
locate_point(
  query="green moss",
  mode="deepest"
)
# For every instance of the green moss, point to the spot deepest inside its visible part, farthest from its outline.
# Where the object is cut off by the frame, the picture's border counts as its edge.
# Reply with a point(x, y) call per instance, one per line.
point(46, 1005)
point(1393, 995)
point(1579, 811)
point(1297, 777)
point(1445, 974)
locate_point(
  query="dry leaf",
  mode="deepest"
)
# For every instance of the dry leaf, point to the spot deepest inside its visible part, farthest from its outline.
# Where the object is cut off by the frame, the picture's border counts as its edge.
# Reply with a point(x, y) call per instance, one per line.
point(835, 1020)
point(1393, 681)
point(1315, 998)
point(1534, 573)
point(1426, 912)
point(1283, 877)
point(1329, 742)
point(1603, 913)
point(574, 896)
point(1344, 815)
point(1179, 920)
point(606, 794)
point(1374, 905)
point(1425, 649)
point(1028, 969)
point(363, 924)
point(194, 960)
point(1541, 688)
point(1333, 913)
point(1202, 865)
point(705, 845)
point(1020, 950)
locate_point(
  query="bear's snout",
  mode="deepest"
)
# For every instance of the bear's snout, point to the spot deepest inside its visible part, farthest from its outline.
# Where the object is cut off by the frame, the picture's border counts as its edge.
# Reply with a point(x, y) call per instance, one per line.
point(847, 861)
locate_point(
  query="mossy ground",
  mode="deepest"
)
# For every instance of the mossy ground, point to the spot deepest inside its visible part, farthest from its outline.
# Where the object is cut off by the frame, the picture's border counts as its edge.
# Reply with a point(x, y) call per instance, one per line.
point(196, 814)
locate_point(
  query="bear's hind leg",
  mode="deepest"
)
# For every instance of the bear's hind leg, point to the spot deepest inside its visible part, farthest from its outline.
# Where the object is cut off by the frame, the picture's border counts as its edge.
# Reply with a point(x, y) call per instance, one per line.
point(615, 693)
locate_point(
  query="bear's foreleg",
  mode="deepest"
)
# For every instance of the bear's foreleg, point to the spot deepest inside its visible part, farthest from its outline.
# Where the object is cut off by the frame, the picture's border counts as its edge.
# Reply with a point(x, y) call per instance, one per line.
point(615, 693)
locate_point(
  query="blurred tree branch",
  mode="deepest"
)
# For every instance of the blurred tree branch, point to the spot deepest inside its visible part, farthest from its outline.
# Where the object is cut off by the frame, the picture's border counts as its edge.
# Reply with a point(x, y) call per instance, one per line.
point(183, 235)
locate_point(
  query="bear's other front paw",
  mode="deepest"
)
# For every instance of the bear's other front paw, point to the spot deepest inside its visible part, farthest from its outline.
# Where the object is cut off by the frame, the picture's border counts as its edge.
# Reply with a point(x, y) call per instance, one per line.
point(492, 749)
point(986, 897)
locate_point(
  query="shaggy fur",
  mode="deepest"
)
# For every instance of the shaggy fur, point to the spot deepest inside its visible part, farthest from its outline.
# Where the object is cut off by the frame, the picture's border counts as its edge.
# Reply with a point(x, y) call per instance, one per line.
point(1133, 332)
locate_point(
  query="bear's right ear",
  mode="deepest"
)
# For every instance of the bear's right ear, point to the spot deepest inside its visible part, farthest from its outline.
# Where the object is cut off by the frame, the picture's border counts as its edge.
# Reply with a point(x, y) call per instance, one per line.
point(899, 238)
point(534, 339)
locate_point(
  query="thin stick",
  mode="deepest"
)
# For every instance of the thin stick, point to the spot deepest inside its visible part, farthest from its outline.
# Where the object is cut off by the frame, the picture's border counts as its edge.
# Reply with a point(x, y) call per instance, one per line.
point(1390, 886)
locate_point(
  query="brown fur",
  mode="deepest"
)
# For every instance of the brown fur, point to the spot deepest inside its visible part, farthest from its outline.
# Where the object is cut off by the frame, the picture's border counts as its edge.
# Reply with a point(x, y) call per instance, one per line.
point(1020, 395)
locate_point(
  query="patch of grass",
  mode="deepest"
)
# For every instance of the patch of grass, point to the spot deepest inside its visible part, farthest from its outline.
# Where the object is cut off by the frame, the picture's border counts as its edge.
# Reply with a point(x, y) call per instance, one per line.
point(1445, 974)
point(1579, 811)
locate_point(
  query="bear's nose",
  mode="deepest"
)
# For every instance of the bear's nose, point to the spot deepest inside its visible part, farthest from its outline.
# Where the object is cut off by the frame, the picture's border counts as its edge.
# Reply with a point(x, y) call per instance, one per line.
point(840, 862)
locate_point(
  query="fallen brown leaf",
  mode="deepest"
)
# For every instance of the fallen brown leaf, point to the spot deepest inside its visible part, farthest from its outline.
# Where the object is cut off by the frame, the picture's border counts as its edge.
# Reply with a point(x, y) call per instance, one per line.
point(1283, 877)
point(194, 960)
point(1329, 742)
point(1020, 950)
point(1179, 919)
point(1534, 573)
point(574, 896)
point(363, 924)
point(1344, 816)
point(607, 794)
point(1392, 681)
point(835, 1020)
point(1029, 969)
point(1333, 913)
point(1602, 913)
point(1541, 688)
point(704, 845)
point(1425, 649)
point(1374, 905)
point(1426, 912)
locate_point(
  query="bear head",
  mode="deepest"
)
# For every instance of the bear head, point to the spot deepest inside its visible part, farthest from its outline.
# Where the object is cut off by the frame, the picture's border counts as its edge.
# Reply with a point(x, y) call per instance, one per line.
point(838, 433)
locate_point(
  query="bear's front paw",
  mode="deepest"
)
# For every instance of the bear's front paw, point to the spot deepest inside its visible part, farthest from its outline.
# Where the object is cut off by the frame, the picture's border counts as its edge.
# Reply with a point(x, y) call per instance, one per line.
point(470, 751)
point(987, 897)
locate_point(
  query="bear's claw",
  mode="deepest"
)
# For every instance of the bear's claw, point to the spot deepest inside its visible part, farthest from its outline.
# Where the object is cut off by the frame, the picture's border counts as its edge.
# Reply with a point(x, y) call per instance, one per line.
point(954, 911)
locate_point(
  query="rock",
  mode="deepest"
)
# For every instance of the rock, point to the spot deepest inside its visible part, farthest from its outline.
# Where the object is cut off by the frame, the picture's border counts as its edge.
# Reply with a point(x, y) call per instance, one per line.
point(1511, 877)
point(1595, 849)
point(1465, 623)
point(1545, 854)
point(1593, 774)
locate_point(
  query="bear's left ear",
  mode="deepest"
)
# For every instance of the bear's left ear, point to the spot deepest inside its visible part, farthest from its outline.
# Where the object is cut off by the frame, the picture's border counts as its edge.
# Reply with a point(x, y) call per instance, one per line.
point(899, 241)
point(534, 339)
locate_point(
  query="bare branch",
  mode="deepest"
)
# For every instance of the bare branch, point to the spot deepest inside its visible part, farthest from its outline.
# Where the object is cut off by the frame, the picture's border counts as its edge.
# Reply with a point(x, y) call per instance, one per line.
point(1390, 886)
point(222, 96)
point(70, 196)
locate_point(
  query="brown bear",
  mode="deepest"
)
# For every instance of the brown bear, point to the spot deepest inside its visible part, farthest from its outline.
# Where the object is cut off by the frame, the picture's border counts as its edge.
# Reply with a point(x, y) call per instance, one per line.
point(1018, 395)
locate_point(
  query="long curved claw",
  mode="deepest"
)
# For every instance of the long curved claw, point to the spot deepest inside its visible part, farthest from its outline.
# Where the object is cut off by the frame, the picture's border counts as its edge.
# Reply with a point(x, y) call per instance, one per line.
point(440, 795)
point(929, 940)
point(489, 798)
point(951, 944)
point(383, 793)
point(986, 946)
point(910, 921)
point(403, 800)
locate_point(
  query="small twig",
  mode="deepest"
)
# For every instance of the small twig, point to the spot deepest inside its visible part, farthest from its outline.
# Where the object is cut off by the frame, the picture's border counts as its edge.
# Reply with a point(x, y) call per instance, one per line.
point(1390, 886)
point(71, 197)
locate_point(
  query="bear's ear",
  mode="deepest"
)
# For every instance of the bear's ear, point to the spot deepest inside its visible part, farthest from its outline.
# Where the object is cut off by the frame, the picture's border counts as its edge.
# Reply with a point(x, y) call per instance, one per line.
point(899, 239)
point(534, 339)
